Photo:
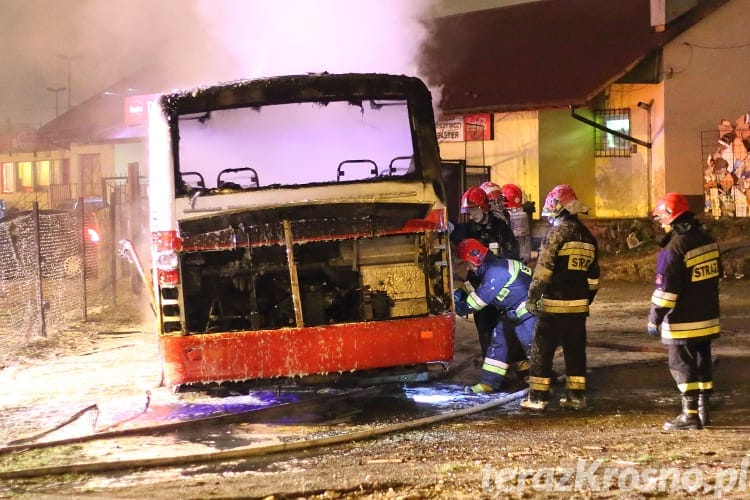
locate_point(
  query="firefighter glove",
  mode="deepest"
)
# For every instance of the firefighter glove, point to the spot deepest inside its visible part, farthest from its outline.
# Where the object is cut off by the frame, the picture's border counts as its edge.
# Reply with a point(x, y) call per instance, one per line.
point(533, 306)
point(653, 330)
point(459, 300)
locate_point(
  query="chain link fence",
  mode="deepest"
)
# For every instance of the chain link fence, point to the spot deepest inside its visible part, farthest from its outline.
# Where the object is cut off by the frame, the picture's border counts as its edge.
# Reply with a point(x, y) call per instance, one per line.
point(56, 268)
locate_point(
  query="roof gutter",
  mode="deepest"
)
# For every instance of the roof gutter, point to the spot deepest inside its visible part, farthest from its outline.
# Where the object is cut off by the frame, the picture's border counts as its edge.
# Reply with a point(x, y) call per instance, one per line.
point(608, 130)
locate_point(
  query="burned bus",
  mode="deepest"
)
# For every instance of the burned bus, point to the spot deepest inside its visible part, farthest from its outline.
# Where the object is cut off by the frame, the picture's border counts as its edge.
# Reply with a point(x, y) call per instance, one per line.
point(299, 229)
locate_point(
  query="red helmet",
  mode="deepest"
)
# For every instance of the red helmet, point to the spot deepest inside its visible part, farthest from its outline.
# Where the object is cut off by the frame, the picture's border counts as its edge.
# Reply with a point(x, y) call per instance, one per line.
point(513, 196)
point(471, 250)
point(562, 197)
point(474, 197)
point(669, 207)
point(492, 191)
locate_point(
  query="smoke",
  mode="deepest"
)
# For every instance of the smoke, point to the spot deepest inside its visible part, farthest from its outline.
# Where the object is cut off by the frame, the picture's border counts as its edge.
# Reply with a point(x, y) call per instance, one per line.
point(271, 37)
point(182, 43)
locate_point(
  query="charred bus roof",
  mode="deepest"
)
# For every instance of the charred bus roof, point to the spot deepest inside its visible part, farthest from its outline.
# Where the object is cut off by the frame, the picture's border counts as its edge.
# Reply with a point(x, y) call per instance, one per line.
point(323, 87)
point(363, 90)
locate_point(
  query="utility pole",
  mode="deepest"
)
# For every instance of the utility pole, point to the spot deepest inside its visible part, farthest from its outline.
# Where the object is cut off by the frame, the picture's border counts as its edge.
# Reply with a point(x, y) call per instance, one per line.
point(646, 106)
point(69, 59)
point(57, 91)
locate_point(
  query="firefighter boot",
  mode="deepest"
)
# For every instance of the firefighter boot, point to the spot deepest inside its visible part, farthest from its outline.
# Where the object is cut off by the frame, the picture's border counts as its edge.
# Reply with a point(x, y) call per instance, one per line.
point(479, 388)
point(522, 371)
point(703, 404)
point(575, 399)
point(537, 401)
point(688, 419)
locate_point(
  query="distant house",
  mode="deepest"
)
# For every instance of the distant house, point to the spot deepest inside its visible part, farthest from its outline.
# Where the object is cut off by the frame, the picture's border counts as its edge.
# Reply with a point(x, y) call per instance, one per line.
point(619, 98)
point(94, 148)
point(85, 152)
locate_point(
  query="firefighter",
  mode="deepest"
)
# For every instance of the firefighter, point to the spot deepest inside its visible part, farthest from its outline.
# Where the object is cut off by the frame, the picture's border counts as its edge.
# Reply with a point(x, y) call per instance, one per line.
point(495, 234)
point(519, 219)
point(565, 282)
point(503, 286)
point(685, 306)
point(496, 200)
point(505, 204)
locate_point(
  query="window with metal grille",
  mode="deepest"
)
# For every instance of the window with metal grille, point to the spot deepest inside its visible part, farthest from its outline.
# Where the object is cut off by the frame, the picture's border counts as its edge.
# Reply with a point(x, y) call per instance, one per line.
point(607, 144)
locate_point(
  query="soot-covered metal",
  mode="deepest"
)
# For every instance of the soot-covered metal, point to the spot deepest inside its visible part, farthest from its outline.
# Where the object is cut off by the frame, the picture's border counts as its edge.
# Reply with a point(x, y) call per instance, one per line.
point(308, 222)
point(347, 280)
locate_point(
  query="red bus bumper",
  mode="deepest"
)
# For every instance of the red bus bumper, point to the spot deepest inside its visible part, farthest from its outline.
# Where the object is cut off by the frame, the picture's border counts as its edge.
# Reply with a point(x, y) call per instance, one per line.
point(234, 356)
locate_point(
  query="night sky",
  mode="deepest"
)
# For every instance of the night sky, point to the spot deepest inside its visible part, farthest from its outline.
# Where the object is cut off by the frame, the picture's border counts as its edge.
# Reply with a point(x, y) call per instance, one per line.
point(196, 42)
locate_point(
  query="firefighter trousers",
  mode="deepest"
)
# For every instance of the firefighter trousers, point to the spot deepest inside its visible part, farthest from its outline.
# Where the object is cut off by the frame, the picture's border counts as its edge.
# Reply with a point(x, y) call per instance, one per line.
point(485, 320)
point(553, 330)
point(690, 365)
point(495, 364)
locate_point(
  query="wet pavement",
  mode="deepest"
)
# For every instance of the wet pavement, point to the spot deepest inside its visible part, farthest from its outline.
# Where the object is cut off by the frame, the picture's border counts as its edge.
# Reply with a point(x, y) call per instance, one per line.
point(629, 387)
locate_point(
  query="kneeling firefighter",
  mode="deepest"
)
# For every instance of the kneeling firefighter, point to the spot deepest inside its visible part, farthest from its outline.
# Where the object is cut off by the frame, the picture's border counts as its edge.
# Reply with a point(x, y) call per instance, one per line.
point(503, 285)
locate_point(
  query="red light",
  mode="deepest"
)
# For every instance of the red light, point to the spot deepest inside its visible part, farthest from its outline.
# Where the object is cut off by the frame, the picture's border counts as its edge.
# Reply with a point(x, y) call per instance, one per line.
point(168, 277)
point(93, 235)
point(426, 335)
point(433, 221)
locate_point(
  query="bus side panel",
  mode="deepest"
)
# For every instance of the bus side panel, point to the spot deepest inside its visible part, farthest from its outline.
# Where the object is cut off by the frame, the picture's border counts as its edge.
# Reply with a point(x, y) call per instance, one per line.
point(302, 351)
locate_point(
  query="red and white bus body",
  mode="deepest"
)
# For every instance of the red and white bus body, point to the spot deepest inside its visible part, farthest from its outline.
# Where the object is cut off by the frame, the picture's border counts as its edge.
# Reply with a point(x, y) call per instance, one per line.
point(298, 228)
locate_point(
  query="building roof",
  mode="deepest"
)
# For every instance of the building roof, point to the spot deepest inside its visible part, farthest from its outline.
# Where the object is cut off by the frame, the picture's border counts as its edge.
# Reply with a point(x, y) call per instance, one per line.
point(100, 118)
point(545, 54)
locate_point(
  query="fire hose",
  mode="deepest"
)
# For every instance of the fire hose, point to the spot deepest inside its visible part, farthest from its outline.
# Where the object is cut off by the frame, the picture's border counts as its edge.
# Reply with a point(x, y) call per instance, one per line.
point(258, 451)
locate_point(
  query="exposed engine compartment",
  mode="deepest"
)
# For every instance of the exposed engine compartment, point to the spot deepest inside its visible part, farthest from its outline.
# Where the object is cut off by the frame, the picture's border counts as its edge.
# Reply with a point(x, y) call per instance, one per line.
point(339, 281)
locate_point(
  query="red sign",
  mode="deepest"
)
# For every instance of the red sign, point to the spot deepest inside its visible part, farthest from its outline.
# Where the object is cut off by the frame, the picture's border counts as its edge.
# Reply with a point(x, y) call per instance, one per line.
point(136, 108)
point(476, 127)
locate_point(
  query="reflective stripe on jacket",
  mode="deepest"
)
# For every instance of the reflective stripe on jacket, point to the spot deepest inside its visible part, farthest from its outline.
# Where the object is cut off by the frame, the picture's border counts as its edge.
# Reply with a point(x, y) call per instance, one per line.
point(685, 301)
point(566, 277)
point(503, 283)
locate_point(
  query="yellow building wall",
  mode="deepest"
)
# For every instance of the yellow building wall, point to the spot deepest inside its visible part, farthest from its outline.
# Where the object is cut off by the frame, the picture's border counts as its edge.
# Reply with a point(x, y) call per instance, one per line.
point(107, 159)
point(512, 154)
point(566, 155)
point(628, 186)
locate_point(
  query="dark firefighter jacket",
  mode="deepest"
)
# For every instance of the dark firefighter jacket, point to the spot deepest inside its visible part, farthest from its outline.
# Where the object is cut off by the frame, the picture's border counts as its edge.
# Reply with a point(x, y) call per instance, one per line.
point(503, 283)
point(566, 276)
point(685, 302)
point(494, 230)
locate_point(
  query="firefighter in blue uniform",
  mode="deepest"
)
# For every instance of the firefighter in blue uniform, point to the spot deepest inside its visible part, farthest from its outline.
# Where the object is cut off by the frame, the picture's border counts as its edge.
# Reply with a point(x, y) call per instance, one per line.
point(685, 306)
point(502, 286)
point(495, 234)
point(565, 282)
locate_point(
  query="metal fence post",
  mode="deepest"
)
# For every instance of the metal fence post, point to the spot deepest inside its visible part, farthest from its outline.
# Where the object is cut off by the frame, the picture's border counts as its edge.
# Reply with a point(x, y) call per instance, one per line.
point(38, 247)
point(80, 212)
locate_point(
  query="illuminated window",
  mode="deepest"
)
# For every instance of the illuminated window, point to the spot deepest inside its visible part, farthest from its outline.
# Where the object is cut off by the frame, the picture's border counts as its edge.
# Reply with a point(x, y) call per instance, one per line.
point(26, 176)
point(9, 178)
point(608, 144)
point(42, 175)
